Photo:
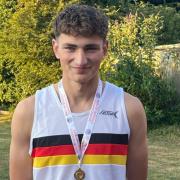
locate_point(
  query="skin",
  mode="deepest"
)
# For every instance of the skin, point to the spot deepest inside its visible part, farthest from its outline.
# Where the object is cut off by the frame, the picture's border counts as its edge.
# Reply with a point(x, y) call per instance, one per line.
point(80, 58)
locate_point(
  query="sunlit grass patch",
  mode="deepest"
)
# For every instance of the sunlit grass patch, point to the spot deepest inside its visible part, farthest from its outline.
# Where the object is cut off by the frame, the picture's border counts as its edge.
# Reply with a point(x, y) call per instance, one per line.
point(5, 116)
point(164, 153)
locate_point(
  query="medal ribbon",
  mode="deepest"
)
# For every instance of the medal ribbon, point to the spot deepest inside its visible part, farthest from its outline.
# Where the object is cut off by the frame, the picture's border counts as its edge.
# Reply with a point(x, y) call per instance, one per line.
point(80, 149)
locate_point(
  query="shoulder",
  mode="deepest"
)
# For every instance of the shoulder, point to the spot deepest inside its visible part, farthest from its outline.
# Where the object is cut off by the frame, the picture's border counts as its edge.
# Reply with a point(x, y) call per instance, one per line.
point(26, 102)
point(133, 104)
point(135, 112)
point(23, 116)
point(20, 140)
point(25, 106)
point(137, 146)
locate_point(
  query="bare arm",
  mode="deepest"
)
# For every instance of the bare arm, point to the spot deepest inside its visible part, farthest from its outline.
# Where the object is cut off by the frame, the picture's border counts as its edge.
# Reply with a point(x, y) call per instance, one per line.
point(20, 160)
point(137, 149)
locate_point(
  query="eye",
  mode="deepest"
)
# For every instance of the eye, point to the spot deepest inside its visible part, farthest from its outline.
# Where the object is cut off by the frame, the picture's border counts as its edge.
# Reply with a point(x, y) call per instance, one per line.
point(91, 49)
point(70, 48)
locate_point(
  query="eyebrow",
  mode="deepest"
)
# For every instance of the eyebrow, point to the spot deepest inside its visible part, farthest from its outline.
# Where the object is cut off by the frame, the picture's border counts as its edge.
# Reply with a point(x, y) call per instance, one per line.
point(92, 46)
point(68, 44)
point(86, 46)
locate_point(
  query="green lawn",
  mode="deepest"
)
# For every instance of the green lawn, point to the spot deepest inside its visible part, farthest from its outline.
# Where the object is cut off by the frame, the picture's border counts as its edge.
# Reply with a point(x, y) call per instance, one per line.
point(164, 152)
point(4, 146)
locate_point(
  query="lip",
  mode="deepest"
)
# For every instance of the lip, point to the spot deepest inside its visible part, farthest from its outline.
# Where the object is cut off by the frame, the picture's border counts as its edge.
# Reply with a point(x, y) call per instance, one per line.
point(81, 67)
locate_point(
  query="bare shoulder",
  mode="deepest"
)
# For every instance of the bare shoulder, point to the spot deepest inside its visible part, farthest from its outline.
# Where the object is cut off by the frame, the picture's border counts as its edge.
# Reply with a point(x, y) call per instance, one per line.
point(20, 140)
point(137, 147)
point(135, 112)
point(26, 103)
point(23, 116)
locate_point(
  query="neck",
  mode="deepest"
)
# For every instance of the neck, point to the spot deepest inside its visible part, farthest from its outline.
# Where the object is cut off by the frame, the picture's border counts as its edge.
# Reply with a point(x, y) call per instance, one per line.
point(80, 95)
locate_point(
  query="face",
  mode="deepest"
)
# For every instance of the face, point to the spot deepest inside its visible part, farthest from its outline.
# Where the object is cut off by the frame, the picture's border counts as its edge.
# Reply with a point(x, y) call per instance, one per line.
point(80, 57)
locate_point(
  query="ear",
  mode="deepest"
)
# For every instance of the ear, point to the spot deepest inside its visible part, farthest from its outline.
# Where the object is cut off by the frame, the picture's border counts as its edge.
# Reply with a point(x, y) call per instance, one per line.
point(105, 47)
point(55, 47)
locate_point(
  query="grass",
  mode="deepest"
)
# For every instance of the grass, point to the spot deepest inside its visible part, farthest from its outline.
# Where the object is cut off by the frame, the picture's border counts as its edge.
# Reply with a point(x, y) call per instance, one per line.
point(164, 151)
point(5, 116)
point(4, 146)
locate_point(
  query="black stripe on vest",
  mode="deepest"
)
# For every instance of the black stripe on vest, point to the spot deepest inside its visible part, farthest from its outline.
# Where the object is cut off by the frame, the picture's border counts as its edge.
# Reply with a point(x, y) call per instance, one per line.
point(96, 138)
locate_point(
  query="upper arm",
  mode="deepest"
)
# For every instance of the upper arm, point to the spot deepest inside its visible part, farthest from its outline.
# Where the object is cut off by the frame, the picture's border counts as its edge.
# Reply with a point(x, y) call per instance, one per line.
point(20, 160)
point(137, 148)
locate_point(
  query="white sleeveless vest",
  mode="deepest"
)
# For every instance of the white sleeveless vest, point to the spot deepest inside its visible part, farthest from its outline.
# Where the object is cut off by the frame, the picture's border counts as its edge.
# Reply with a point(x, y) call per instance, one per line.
point(51, 147)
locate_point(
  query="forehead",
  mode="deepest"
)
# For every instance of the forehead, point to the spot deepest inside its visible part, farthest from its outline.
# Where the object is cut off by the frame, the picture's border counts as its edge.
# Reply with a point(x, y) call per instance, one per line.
point(79, 40)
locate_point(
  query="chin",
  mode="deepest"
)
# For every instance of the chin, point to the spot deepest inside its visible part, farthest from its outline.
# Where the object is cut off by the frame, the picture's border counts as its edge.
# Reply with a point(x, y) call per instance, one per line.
point(82, 79)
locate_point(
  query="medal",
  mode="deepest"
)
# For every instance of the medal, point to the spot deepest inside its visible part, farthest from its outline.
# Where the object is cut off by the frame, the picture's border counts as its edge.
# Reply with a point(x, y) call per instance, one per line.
point(80, 148)
point(79, 174)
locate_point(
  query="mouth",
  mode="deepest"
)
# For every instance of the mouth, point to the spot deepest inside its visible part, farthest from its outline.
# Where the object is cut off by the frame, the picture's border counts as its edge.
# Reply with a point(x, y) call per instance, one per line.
point(80, 69)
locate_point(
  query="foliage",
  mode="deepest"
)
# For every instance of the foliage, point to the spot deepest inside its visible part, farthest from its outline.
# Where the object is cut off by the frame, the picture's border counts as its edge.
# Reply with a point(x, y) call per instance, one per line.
point(131, 64)
point(7, 8)
point(27, 62)
point(170, 19)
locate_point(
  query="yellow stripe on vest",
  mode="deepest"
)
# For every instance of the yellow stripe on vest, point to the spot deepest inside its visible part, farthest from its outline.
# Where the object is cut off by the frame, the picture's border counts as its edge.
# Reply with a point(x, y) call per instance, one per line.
point(39, 162)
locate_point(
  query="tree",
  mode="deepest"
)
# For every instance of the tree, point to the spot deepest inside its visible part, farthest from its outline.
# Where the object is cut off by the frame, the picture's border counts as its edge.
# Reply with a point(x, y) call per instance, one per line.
point(131, 64)
point(170, 19)
point(27, 62)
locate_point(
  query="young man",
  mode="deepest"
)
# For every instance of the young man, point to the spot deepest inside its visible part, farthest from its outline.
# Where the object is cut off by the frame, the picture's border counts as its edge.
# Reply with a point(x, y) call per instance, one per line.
point(81, 127)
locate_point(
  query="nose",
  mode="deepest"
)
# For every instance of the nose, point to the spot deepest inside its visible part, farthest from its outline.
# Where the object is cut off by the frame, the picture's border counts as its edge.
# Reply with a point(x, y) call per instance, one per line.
point(80, 58)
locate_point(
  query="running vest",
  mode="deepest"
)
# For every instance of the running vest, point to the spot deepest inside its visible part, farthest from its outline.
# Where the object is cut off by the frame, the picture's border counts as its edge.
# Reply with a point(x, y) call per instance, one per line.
point(51, 148)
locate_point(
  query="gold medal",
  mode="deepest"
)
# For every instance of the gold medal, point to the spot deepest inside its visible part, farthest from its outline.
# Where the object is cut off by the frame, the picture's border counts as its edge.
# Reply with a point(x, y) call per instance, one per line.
point(79, 174)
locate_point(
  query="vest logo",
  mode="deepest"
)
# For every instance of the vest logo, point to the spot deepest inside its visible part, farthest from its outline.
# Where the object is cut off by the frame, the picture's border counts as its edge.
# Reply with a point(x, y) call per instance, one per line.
point(109, 113)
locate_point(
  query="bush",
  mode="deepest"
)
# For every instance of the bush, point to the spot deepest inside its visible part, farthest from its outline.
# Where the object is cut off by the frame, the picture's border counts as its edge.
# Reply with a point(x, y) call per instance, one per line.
point(27, 62)
point(131, 64)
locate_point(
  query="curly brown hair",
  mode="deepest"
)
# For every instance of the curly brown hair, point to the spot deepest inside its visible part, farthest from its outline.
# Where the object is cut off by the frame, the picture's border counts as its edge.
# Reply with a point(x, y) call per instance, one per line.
point(81, 20)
